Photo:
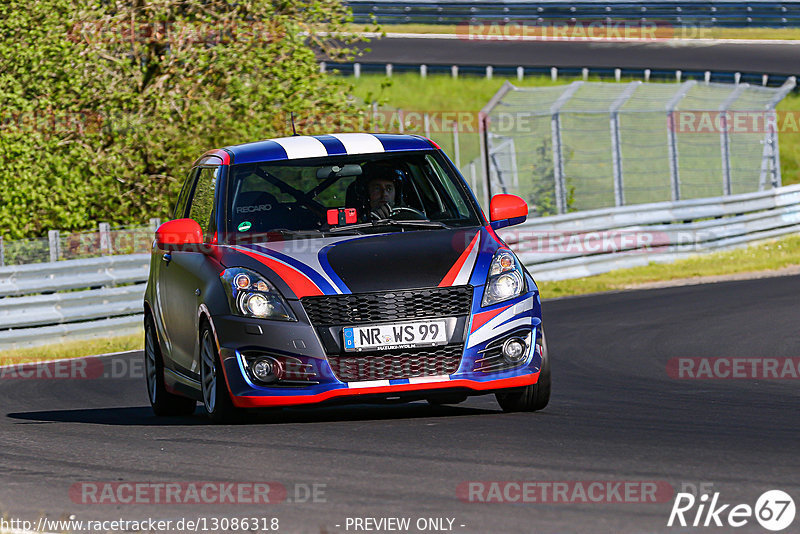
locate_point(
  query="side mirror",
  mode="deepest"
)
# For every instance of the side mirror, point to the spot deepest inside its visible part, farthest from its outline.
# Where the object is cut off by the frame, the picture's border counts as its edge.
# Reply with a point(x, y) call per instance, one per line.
point(177, 234)
point(507, 210)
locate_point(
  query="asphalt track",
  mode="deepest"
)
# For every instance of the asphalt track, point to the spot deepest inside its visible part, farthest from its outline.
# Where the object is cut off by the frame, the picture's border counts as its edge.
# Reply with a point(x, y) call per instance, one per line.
point(772, 58)
point(615, 415)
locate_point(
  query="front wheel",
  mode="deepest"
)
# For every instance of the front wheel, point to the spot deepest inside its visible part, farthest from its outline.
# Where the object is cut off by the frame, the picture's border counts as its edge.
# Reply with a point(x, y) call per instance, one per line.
point(216, 399)
point(529, 398)
point(163, 402)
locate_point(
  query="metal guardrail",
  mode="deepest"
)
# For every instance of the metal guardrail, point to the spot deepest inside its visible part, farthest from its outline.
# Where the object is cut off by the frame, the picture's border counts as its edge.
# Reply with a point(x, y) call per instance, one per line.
point(40, 304)
point(47, 303)
point(592, 242)
point(704, 13)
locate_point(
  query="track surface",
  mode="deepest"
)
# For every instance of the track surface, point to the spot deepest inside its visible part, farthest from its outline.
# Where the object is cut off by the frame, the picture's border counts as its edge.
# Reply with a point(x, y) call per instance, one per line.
point(614, 415)
point(777, 58)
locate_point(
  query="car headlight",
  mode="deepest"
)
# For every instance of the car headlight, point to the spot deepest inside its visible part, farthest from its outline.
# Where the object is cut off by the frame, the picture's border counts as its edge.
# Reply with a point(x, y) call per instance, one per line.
point(505, 280)
point(250, 295)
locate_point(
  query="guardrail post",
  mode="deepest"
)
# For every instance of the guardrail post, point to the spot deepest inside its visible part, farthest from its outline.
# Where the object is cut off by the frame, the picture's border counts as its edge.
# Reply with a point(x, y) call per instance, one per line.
point(520, 73)
point(489, 72)
point(558, 156)
point(322, 66)
point(356, 70)
point(616, 149)
point(2, 253)
point(454, 71)
point(155, 222)
point(401, 120)
point(55, 245)
point(389, 68)
point(423, 71)
point(426, 125)
point(105, 238)
point(672, 139)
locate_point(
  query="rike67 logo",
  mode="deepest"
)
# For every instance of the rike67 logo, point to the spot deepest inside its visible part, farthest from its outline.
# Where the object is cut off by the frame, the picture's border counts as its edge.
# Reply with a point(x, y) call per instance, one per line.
point(774, 510)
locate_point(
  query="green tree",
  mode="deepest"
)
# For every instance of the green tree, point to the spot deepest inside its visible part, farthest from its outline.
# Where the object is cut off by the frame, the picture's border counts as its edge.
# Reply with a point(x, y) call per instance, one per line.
point(106, 104)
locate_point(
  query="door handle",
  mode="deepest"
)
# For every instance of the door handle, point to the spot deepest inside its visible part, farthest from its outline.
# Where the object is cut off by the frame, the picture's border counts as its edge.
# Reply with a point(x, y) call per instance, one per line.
point(167, 257)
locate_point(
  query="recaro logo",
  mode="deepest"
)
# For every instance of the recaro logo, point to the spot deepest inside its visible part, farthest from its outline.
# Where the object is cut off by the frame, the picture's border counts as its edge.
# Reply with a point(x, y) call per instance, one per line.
point(253, 209)
point(774, 510)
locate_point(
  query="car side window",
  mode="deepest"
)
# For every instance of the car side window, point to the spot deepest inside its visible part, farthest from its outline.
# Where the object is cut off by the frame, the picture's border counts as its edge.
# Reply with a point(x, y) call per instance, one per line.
point(180, 207)
point(202, 208)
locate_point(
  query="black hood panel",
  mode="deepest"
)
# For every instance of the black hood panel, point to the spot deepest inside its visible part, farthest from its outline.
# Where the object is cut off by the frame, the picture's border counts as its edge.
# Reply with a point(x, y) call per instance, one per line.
point(398, 261)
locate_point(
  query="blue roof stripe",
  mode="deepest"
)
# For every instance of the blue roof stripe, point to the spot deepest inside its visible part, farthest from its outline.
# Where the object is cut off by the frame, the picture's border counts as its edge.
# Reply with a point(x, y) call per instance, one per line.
point(269, 150)
point(332, 145)
point(256, 152)
point(395, 142)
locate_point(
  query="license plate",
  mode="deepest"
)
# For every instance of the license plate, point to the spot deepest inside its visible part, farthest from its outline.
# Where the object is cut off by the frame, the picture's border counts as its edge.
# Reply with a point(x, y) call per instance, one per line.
point(399, 335)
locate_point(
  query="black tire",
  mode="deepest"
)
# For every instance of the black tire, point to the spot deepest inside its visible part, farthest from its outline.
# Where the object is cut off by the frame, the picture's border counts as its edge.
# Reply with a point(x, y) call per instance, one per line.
point(529, 398)
point(163, 402)
point(216, 398)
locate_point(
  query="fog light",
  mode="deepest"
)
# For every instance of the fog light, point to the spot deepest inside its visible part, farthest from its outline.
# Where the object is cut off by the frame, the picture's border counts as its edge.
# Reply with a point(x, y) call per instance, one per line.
point(267, 370)
point(514, 350)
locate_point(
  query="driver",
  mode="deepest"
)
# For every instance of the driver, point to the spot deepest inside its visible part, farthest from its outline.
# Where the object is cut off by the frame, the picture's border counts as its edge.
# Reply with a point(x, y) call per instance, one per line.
point(382, 194)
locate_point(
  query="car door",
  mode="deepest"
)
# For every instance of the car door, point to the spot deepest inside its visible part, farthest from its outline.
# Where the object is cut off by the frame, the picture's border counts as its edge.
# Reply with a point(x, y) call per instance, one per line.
point(181, 277)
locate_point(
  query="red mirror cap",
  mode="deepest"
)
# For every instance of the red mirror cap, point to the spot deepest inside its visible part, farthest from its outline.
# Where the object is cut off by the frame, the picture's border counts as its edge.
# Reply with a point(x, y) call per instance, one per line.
point(179, 232)
point(507, 210)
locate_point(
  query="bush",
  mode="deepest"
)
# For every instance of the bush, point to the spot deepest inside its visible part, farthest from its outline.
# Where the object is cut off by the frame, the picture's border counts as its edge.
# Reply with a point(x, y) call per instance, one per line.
point(106, 104)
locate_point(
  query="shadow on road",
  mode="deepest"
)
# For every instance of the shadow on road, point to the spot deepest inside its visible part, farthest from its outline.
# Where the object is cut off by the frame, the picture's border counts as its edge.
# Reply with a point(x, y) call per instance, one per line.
point(143, 416)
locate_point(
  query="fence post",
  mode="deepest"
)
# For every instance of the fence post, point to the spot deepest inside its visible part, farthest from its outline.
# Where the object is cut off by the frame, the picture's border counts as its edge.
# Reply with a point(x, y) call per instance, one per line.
point(105, 238)
point(474, 175)
point(616, 150)
point(456, 147)
point(724, 137)
point(672, 139)
point(155, 222)
point(771, 139)
point(55, 245)
point(483, 137)
point(426, 125)
point(401, 120)
point(558, 155)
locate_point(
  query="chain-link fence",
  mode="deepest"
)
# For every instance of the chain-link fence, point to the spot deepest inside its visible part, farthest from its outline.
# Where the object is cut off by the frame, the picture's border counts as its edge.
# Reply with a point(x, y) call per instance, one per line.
point(595, 145)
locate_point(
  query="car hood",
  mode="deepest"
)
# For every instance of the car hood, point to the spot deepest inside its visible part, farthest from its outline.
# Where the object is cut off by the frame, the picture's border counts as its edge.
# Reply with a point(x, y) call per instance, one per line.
point(364, 263)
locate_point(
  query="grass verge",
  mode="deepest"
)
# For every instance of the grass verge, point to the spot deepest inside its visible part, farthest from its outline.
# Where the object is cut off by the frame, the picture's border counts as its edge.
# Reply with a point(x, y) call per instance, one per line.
point(768, 256)
point(73, 349)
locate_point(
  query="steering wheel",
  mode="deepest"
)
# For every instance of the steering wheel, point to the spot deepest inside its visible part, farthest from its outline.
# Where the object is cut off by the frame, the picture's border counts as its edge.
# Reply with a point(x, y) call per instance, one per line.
point(398, 209)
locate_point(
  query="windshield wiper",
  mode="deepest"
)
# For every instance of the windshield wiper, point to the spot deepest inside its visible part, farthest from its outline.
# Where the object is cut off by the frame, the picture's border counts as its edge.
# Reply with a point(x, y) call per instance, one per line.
point(390, 222)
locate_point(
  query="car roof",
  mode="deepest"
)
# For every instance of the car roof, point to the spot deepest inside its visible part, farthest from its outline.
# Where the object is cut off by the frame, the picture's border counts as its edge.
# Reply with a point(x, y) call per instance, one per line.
point(314, 146)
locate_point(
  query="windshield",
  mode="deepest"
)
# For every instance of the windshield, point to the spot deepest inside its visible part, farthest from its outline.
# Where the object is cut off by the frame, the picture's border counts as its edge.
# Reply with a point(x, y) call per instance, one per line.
point(367, 193)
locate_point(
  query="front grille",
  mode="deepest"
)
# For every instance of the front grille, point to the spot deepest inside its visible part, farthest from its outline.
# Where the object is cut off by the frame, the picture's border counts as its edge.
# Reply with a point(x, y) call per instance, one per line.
point(401, 363)
point(388, 305)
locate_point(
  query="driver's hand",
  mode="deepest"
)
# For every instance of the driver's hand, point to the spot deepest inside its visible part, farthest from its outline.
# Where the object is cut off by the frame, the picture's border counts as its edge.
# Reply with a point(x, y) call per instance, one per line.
point(383, 211)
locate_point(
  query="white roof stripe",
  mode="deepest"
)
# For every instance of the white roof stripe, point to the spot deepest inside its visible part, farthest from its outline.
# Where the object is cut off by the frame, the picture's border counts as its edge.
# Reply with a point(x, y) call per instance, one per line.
point(302, 147)
point(360, 143)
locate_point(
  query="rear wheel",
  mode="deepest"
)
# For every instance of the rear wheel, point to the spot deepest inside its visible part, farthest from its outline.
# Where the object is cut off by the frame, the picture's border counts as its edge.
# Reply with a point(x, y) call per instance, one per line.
point(162, 401)
point(216, 398)
point(529, 398)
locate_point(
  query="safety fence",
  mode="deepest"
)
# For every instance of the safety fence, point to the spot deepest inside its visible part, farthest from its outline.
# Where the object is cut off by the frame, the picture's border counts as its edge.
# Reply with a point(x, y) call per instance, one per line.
point(701, 13)
point(592, 145)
